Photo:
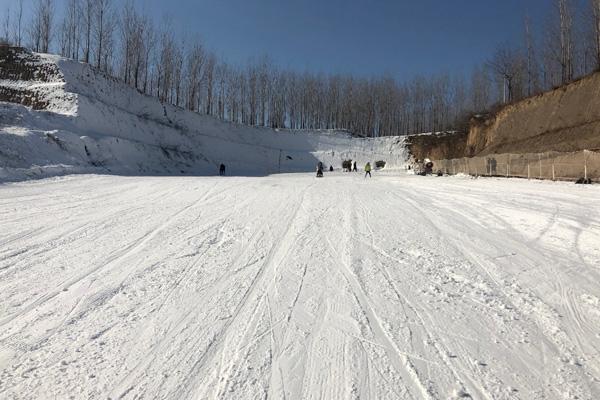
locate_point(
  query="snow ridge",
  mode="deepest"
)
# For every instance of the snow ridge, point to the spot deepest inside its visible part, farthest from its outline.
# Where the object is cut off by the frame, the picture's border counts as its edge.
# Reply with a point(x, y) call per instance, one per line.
point(90, 122)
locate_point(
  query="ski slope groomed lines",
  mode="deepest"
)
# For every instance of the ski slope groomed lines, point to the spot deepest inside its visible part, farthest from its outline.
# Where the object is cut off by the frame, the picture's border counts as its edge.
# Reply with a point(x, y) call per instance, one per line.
point(292, 287)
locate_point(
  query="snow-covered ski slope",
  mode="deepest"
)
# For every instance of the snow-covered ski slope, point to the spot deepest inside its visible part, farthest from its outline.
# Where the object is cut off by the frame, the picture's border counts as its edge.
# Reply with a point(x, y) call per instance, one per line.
point(292, 287)
point(94, 123)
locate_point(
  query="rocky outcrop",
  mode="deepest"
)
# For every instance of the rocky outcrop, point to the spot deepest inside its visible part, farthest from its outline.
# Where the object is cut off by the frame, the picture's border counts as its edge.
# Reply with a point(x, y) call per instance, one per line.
point(566, 119)
point(20, 70)
point(437, 146)
point(19, 64)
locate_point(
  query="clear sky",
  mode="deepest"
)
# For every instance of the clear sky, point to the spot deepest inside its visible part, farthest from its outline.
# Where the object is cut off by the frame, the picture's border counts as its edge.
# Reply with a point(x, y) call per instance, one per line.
point(362, 37)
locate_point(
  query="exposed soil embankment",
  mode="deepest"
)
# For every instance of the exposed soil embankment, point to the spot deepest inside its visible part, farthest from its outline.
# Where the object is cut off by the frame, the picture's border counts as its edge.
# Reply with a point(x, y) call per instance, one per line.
point(26, 79)
point(566, 119)
point(437, 146)
point(18, 64)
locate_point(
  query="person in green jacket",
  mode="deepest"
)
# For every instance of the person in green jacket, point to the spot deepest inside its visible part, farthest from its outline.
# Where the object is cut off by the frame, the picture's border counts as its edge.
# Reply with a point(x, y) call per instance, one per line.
point(368, 170)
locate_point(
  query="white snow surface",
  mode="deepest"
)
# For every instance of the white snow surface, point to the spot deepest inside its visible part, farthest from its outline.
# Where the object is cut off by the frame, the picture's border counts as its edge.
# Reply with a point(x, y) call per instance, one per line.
point(292, 287)
point(95, 123)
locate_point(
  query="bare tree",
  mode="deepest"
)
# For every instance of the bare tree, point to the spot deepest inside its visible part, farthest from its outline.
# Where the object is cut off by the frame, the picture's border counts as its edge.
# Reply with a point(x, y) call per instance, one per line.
point(87, 14)
point(35, 28)
point(40, 30)
point(507, 63)
point(560, 44)
point(47, 24)
point(532, 66)
point(210, 83)
point(264, 81)
point(135, 33)
point(166, 65)
point(195, 71)
point(104, 26)
point(70, 37)
point(6, 24)
point(594, 20)
point(221, 73)
point(18, 30)
point(178, 60)
point(148, 38)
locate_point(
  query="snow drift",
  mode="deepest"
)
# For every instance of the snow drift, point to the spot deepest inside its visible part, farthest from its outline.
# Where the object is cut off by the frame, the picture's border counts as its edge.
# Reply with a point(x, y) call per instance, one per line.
point(70, 118)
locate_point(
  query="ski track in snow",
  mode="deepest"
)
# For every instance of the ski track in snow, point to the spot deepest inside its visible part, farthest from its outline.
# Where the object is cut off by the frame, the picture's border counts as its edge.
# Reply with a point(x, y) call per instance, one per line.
point(287, 287)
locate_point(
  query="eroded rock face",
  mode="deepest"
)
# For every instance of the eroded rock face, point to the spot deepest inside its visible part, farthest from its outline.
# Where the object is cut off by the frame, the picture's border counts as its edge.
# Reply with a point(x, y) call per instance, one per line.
point(24, 97)
point(20, 70)
point(437, 146)
point(18, 63)
point(566, 119)
point(563, 120)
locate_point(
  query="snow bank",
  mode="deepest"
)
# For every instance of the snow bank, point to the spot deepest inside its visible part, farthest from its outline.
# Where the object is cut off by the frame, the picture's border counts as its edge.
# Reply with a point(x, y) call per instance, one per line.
point(95, 123)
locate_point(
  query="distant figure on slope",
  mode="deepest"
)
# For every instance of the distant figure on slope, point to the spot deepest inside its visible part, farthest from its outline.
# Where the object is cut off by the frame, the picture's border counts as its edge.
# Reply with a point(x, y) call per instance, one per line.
point(319, 170)
point(222, 170)
point(428, 167)
point(354, 167)
point(368, 170)
point(331, 168)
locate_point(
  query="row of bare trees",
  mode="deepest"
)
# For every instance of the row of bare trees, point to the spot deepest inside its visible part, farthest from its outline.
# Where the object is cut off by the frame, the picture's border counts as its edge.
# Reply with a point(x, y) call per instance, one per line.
point(568, 49)
point(119, 39)
point(12, 24)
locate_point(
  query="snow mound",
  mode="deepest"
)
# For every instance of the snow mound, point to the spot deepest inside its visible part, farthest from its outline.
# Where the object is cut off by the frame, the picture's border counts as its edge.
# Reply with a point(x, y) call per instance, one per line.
point(63, 116)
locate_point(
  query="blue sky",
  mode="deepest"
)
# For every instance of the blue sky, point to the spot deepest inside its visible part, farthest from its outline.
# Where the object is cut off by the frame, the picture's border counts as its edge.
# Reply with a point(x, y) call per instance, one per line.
point(361, 37)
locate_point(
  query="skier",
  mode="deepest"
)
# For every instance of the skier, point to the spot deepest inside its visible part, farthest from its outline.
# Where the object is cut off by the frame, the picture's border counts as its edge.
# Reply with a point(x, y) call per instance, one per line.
point(347, 166)
point(354, 169)
point(368, 170)
point(222, 170)
point(331, 168)
point(319, 170)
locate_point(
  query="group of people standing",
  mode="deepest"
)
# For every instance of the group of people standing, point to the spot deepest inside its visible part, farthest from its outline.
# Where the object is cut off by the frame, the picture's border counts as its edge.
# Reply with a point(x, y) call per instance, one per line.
point(352, 168)
point(319, 169)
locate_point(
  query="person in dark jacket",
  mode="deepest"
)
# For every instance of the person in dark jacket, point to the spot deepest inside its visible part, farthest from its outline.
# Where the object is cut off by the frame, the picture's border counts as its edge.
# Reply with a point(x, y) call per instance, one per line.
point(319, 170)
point(222, 170)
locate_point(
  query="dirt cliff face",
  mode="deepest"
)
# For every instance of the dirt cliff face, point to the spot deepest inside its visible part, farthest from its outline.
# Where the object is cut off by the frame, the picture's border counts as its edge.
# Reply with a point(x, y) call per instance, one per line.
point(17, 65)
point(565, 119)
point(437, 146)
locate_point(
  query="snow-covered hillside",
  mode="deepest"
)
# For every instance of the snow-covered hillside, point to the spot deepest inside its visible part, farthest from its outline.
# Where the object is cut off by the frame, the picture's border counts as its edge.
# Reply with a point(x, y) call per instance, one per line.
point(94, 123)
point(289, 287)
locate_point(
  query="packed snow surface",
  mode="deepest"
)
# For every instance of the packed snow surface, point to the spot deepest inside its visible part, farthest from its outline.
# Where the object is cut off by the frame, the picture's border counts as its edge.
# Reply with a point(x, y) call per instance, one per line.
point(291, 287)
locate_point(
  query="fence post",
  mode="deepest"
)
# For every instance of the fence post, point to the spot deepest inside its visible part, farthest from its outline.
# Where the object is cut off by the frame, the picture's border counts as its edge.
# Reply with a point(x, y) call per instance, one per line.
point(279, 164)
point(453, 168)
point(508, 167)
point(585, 164)
point(540, 161)
point(528, 170)
point(553, 173)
